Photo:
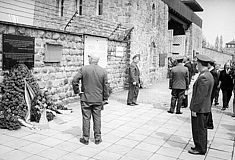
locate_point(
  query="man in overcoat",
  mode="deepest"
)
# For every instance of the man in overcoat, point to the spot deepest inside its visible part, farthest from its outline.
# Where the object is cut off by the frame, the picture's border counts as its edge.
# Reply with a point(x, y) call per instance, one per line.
point(200, 105)
point(179, 82)
point(94, 91)
point(134, 81)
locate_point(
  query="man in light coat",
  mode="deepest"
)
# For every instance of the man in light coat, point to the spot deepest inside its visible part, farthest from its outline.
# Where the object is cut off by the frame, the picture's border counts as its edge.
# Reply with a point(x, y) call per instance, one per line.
point(94, 91)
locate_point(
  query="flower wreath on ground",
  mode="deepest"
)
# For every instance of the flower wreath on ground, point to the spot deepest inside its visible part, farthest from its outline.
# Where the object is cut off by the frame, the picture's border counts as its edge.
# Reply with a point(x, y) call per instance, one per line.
point(22, 101)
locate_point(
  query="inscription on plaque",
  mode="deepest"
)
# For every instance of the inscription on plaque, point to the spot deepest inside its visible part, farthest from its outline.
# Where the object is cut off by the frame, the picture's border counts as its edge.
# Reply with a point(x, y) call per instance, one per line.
point(17, 50)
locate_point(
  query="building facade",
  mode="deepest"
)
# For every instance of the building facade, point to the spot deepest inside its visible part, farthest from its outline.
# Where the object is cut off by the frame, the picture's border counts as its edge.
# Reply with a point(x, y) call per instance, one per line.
point(66, 31)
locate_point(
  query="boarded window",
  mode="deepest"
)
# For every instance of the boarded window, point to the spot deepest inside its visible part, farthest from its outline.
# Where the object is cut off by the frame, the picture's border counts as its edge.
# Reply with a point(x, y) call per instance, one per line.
point(53, 53)
point(162, 59)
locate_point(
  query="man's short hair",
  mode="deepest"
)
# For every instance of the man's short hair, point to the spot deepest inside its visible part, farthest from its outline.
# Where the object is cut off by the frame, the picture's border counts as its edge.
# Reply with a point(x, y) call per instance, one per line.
point(179, 60)
point(94, 58)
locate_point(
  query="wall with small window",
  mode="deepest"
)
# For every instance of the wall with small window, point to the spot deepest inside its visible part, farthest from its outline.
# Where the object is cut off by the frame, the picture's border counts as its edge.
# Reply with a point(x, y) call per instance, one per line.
point(57, 58)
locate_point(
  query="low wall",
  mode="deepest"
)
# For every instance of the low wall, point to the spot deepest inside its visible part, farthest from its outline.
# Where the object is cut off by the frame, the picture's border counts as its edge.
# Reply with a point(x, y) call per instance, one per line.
point(219, 57)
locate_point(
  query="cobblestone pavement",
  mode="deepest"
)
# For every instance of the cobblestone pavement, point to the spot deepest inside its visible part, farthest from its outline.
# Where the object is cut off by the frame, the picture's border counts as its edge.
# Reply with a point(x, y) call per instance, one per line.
point(142, 132)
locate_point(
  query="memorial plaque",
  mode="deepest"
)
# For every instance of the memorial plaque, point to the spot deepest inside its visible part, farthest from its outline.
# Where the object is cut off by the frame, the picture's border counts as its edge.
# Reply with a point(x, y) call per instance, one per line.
point(17, 50)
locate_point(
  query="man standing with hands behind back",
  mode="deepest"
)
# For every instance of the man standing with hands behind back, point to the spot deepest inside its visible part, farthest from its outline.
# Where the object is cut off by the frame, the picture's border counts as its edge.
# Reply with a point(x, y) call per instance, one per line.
point(200, 105)
point(134, 81)
point(94, 91)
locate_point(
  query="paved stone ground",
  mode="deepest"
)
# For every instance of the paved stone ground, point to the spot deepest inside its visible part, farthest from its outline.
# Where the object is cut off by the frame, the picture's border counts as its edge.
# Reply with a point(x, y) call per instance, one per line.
point(143, 132)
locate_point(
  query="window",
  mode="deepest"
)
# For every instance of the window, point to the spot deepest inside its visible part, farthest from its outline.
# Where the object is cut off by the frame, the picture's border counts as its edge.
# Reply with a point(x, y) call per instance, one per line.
point(60, 7)
point(162, 59)
point(53, 52)
point(99, 7)
point(78, 6)
point(153, 14)
point(153, 54)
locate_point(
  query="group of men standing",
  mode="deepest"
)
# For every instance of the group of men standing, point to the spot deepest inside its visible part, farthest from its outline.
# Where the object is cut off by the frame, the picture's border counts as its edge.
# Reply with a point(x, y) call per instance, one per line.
point(205, 89)
point(94, 92)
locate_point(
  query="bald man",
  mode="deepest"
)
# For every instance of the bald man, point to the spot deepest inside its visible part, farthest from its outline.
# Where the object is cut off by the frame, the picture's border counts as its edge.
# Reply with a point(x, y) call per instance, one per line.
point(94, 91)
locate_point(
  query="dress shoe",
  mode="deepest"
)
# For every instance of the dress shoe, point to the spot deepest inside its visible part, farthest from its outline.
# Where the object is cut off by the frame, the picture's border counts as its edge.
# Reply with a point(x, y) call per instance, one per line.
point(179, 113)
point(184, 106)
point(210, 127)
point(216, 103)
point(170, 112)
point(130, 104)
point(233, 115)
point(223, 108)
point(82, 140)
point(191, 151)
point(135, 103)
point(98, 141)
point(193, 148)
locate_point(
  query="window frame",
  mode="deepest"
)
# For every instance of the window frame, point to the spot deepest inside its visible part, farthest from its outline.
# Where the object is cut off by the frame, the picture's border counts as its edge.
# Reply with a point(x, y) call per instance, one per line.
point(99, 6)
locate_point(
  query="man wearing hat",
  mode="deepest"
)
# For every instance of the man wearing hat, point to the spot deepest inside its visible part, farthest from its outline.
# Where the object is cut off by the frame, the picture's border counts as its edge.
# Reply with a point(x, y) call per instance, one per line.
point(200, 105)
point(94, 91)
point(134, 81)
point(179, 82)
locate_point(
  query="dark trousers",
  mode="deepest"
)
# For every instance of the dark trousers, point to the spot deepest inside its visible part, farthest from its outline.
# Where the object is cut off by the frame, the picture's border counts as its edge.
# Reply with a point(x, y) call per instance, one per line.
point(227, 93)
point(199, 131)
point(233, 102)
point(177, 95)
point(88, 110)
point(185, 101)
point(216, 96)
point(132, 93)
point(210, 119)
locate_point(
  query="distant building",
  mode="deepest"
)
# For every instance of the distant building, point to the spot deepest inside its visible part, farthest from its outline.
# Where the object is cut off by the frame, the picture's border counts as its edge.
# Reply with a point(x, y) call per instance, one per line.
point(230, 48)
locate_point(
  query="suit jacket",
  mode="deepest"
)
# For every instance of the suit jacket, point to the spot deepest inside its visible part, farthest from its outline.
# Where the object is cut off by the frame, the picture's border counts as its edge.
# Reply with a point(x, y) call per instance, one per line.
point(94, 83)
point(226, 81)
point(202, 89)
point(179, 77)
point(190, 69)
point(216, 81)
point(134, 73)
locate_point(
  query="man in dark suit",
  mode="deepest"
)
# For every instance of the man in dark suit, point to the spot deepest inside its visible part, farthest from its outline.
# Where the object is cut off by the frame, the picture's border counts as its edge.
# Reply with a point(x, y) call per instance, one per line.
point(211, 67)
point(200, 105)
point(179, 82)
point(94, 91)
point(134, 81)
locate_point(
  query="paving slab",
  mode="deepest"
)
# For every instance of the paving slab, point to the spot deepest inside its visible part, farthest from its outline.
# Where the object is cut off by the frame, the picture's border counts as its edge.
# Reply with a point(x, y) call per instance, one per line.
point(145, 131)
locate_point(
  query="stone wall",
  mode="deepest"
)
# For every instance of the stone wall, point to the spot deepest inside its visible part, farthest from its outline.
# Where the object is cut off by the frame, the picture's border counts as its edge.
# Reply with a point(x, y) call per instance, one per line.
point(220, 57)
point(193, 40)
point(57, 77)
point(148, 38)
point(117, 66)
